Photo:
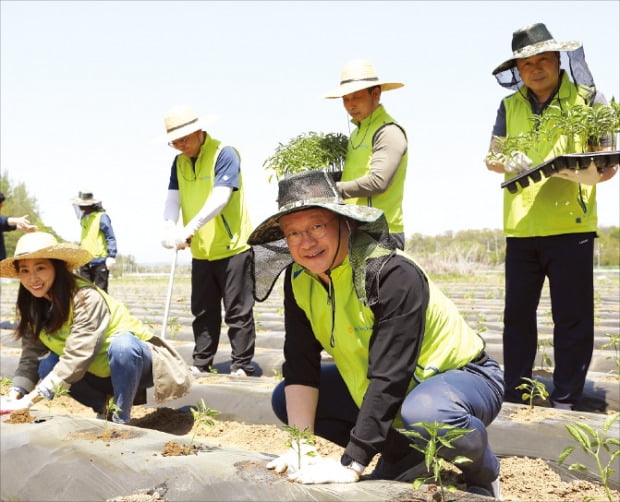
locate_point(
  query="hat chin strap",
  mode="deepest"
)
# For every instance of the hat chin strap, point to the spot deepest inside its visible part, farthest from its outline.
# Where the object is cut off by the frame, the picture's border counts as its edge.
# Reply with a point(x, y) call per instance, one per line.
point(329, 269)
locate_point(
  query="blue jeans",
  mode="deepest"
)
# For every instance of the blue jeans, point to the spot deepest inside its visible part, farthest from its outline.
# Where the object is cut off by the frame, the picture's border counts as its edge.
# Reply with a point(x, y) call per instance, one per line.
point(130, 367)
point(470, 397)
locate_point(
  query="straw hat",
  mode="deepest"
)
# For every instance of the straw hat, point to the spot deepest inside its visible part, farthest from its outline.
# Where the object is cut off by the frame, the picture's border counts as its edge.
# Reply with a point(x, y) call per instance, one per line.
point(85, 198)
point(181, 120)
point(44, 245)
point(313, 188)
point(531, 40)
point(359, 74)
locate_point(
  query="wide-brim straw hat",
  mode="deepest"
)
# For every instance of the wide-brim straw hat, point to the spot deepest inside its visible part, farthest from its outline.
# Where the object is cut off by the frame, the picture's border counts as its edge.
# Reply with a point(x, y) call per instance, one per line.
point(359, 74)
point(181, 120)
point(531, 40)
point(44, 245)
point(85, 198)
point(305, 190)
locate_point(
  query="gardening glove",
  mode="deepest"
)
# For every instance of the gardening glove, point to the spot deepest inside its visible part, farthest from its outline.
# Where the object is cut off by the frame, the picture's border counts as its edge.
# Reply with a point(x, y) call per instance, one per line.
point(517, 163)
point(110, 262)
point(52, 383)
point(173, 236)
point(324, 470)
point(290, 459)
point(8, 405)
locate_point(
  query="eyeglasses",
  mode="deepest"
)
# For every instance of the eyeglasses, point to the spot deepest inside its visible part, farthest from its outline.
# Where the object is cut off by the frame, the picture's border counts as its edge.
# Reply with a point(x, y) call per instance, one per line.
point(316, 231)
point(178, 142)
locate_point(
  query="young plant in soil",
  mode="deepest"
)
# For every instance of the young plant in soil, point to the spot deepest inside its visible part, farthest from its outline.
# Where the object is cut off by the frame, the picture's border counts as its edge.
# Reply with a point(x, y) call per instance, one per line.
point(438, 436)
point(533, 389)
point(202, 417)
point(297, 439)
point(112, 410)
point(58, 390)
point(614, 343)
point(545, 360)
point(593, 442)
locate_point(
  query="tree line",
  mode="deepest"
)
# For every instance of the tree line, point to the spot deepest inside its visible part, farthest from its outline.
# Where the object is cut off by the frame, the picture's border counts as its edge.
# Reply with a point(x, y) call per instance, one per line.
point(453, 252)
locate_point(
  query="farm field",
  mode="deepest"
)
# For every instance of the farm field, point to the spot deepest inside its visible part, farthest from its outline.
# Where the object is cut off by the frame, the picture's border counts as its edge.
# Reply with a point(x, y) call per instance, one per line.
point(253, 428)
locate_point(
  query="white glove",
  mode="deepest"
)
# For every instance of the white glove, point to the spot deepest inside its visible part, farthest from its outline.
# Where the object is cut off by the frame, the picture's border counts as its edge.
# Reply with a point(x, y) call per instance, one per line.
point(110, 262)
point(290, 459)
point(517, 163)
point(325, 470)
point(173, 237)
point(8, 405)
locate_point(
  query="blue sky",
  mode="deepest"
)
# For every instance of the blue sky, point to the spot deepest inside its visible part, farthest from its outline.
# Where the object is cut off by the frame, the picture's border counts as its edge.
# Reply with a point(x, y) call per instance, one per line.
point(84, 86)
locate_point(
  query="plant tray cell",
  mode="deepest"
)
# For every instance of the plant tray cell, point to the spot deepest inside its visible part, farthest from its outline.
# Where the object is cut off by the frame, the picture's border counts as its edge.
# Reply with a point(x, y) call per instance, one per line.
point(571, 161)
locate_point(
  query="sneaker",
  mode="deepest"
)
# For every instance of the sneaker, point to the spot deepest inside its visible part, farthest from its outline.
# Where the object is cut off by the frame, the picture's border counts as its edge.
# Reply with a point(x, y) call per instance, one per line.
point(197, 372)
point(491, 490)
point(239, 372)
point(562, 406)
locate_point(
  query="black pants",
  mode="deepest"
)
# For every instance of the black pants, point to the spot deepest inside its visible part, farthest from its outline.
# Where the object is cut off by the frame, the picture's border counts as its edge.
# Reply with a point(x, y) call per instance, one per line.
point(97, 273)
point(228, 280)
point(567, 261)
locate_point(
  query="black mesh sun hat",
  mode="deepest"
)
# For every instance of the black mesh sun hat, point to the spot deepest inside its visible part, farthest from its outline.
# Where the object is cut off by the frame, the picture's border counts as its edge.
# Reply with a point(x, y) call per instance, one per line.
point(304, 190)
point(535, 39)
point(370, 240)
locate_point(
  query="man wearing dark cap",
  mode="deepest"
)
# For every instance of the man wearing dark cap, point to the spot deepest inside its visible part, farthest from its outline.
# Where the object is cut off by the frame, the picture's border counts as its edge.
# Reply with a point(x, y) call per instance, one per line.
point(550, 226)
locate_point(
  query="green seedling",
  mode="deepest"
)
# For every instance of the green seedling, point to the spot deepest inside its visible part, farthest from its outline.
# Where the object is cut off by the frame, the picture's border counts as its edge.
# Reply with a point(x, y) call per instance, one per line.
point(593, 442)
point(583, 123)
point(545, 360)
point(614, 343)
point(5, 383)
point(297, 439)
point(533, 389)
point(111, 410)
point(203, 416)
point(174, 326)
point(308, 151)
point(438, 436)
point(58, 390)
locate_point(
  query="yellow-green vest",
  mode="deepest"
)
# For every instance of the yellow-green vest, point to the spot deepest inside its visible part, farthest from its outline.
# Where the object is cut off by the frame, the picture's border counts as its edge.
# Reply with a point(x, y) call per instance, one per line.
point(93, 239)
point(225, 235)
point(357, 164)
point(553, 206)
point(120, 321)
point(448, 342)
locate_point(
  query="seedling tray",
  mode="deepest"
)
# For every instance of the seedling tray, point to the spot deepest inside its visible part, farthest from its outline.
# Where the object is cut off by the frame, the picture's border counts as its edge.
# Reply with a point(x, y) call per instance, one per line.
point(569, 164)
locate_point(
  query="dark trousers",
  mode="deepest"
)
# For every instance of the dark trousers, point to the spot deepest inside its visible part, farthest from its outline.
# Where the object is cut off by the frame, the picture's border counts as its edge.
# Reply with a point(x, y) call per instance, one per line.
point(228, 280)
point(566, 260)
point(96, 273)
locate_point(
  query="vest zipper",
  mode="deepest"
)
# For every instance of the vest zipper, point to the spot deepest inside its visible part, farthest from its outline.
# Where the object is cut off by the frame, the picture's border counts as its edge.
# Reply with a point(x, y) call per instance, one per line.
point(331, 301)
point(227, 227)
point(581, 202)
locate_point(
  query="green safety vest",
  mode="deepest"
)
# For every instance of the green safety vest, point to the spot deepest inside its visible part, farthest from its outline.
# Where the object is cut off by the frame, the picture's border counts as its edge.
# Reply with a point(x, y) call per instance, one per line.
point(553, 206)
point(93, 239)
point(448, 341)
point(226, 234)
point(120, 321)
point(357, 164)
